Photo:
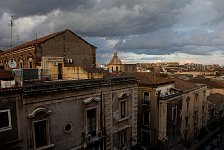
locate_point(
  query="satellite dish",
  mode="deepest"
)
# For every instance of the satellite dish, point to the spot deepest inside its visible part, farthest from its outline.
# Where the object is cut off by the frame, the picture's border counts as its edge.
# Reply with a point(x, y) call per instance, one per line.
point(12, 63)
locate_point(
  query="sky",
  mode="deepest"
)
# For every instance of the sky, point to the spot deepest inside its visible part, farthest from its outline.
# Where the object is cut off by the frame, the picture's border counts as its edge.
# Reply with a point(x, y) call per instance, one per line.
point(186, 31)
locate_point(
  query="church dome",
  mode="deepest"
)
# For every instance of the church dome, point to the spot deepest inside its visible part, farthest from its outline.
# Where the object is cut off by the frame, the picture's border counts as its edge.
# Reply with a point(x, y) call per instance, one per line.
point(115, 60)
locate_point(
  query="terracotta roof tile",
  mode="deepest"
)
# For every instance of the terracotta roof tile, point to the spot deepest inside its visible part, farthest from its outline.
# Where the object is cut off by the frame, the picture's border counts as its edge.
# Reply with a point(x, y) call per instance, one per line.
point(183, 84)
point(147, 79)
point(34, 42)
point(6, 75)
point(215, 100)
point(40, 40)
point(209, 82)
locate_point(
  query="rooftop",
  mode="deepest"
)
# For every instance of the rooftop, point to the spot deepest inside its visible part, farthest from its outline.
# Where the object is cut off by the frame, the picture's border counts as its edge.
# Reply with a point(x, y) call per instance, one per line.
point(215, 100)
point(6, 75)
point(40, 40)
point(147, 79)
point(209, 82)
point(183, 85)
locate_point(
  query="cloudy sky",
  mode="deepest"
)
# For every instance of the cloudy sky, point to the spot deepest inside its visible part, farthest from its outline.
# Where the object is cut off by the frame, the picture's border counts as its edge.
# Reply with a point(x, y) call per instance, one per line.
point(141, 30)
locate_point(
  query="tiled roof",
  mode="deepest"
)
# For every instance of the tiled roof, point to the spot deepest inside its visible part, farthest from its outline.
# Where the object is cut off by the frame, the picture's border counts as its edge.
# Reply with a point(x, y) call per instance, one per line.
point(6, 75)
point(40, 40)
point(216, 100)
point(183, 84)
point(209, 82)
point(147, 79)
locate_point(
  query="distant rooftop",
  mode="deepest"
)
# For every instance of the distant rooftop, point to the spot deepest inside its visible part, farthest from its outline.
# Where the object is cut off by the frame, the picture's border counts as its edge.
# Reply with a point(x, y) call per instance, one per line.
point(147, 79)
point(209, 82)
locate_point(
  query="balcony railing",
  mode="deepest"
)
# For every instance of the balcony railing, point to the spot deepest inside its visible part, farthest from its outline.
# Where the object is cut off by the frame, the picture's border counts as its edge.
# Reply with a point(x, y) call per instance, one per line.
point(89, 138)
point(145, 103)
point(166, 97)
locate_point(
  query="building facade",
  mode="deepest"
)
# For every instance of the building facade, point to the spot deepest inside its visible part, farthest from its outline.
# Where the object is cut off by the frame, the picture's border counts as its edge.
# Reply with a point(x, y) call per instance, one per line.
point(9, 124)
point(80, 114)
point(170, 111)
point(64, 44)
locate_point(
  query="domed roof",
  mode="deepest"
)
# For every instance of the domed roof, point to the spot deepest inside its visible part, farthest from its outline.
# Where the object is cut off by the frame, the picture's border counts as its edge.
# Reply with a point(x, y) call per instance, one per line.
point(115, 60)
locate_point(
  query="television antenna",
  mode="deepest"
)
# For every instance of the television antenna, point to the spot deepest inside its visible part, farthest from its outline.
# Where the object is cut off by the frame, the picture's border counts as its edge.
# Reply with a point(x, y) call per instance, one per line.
point(11, 26)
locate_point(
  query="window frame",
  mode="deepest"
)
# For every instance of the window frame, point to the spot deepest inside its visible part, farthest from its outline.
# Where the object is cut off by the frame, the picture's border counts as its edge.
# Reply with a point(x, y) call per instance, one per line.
point(123, 106)
point(47, 133)
point(123, 137)
point(9, 127)
point(96, 120)
point(144, 118)
point(145, 100)
point(174, 114)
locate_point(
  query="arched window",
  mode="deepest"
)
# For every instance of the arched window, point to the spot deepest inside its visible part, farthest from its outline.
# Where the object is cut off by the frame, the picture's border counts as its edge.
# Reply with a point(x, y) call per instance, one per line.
point(123, 104)
point(30, 61)
point(40, 127)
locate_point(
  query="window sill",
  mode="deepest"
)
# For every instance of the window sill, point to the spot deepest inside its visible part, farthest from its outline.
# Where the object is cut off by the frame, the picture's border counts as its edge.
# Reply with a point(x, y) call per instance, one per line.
point(5, 129)
point(45, 147)
point(123, 119)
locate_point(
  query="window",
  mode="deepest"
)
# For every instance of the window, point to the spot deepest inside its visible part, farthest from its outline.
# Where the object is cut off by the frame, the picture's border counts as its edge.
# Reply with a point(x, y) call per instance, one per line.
point(146, 97)
point(21, 65)
point(187, 122)
point(40, 130)
point(123, 109)
point(196, 101)
point(122, 139)
point(40, 124)
point(91, 122)
point(174, 114)
point(112, 69)
point(117, 68)
point(30, 64)
point(146, 118)
point(30, 60)
point(5, 120)
point(187, 107)
point(145, 138)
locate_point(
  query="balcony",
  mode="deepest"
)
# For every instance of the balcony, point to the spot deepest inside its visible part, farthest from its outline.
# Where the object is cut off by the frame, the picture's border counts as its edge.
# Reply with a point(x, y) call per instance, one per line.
point(88, 138)
point(145, 103)
point(146, 127)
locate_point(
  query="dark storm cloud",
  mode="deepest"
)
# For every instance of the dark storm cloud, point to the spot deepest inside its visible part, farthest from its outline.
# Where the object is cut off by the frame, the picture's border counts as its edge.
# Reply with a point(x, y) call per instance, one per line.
point(22, 8)
point(167, 41)
point(101, 18)
point(140, 26)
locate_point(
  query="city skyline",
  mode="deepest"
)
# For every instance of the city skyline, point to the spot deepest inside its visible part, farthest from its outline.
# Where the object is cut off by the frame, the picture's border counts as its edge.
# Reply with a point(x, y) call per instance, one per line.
point(142, 31)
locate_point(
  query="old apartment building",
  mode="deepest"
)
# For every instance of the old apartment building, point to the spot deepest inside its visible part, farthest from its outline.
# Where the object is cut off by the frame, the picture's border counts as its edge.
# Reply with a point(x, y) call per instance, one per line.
point(60, 55)
point(81, 114)
point(170, 111)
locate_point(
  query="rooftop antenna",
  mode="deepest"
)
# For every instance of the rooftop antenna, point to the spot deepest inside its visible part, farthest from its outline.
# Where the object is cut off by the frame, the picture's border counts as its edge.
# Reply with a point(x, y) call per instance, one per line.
point(11, 25)
point(18, 37)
